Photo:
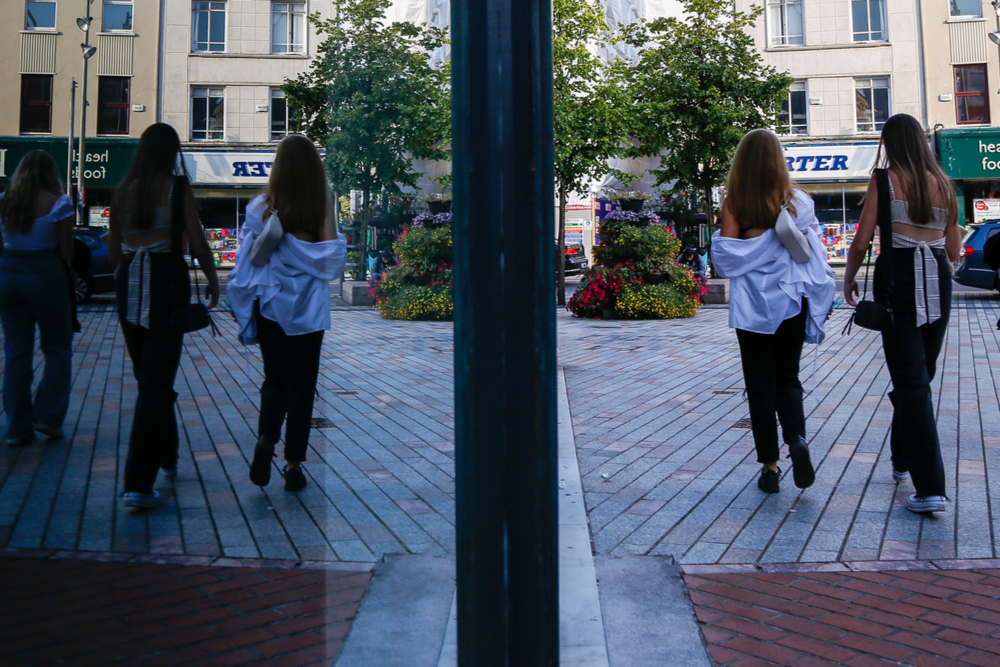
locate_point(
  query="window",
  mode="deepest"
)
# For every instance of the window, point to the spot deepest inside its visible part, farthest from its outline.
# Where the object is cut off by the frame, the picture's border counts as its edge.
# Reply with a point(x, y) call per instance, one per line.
point(283, 120)
point(207, 109)
point(288, 27)
point(40, 16)
point(869, 20)
point(872, 100)
point(792, 119)
point(785, 17)
point(966, 7)
point(36, 103)
point(112, 104)
point(971, 100)
point(208, 26)
point(117, 15)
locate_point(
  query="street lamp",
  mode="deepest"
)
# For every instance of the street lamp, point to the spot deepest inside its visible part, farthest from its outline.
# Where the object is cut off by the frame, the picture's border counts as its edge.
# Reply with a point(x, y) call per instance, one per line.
point(88, 51)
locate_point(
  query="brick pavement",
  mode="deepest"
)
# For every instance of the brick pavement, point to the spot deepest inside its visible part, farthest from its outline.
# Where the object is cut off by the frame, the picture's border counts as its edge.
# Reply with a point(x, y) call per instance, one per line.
point(921, 615)
point(667, 456)
point(85, 612)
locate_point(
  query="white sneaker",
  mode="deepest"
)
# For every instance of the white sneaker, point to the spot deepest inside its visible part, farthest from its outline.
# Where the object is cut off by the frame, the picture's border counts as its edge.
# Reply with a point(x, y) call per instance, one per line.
point(928, 504)
point(900, 477)
point(170, 473)
point(143, 500)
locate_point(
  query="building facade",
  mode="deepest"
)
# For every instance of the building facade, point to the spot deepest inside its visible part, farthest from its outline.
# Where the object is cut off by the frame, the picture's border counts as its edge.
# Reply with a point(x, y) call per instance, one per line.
point(41, 46)
point(855, 63)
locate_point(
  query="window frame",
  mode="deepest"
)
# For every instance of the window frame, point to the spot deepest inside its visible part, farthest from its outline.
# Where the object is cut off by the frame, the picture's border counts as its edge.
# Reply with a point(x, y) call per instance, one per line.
point(278, 136)
point(985, 94)
point(960, 17)
point(289, 18)
point(800, 86)
point(207, 97)
point(875, 125)
point(22, 103)
point(209, 11)
point(885, 23)
point(117, 3)
point(55, 18)
point(781, 37)
point(102, 104)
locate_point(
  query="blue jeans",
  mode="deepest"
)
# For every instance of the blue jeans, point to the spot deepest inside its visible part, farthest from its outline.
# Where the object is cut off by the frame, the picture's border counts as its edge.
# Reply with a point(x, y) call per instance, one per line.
point(34, 290)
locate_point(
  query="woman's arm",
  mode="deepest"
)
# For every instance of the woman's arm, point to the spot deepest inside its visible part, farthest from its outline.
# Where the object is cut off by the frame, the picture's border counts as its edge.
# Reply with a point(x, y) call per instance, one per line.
point(859, 246)
point(199, 247)
point(64, 228)
point(952, 232)
point(328, 232)
point(730, 228)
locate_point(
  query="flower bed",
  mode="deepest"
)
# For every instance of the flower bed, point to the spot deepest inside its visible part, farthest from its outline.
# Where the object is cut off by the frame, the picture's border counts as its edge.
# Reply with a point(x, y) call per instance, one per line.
point(420, 287)
point(635, 274)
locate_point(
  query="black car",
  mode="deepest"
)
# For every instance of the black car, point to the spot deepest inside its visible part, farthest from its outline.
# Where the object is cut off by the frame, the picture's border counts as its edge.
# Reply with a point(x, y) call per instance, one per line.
point(576, 258)
point(93, 268)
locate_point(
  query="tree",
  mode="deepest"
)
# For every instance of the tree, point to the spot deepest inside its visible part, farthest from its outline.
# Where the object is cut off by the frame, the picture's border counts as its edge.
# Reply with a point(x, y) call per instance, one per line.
point(375, 99)
point(700, 85)
point(588, 107)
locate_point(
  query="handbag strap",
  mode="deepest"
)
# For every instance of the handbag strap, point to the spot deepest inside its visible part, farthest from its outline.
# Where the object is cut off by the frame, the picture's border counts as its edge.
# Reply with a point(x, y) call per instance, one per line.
point(177, 227)
point(885, 227)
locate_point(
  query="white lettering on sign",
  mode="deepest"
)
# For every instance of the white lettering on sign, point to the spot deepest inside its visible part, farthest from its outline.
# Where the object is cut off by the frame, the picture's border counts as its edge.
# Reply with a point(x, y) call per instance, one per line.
point(3, 163)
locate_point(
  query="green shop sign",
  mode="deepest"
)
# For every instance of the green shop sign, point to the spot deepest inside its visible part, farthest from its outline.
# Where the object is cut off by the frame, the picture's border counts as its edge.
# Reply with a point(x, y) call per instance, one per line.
point(105, 164)
point(970, 153)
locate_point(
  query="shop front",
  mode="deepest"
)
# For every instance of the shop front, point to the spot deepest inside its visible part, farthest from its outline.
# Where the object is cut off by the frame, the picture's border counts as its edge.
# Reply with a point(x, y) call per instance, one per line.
point(971, 158)
point(105, 165)
point(836, 177)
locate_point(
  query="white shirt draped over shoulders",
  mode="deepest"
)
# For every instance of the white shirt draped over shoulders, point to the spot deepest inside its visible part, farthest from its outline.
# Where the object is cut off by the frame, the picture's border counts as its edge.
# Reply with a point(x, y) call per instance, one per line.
point(766, 286)
point(293, 287)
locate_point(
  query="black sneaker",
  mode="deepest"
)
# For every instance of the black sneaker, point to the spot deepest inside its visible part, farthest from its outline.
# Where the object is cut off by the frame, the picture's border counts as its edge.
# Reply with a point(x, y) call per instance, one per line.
point(768, 480)
point(802, 467)
point(295, 479)
point(260, 469)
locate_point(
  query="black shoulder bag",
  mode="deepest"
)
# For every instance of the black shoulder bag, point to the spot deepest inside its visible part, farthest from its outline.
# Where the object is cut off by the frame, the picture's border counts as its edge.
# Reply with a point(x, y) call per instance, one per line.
point(188, 317)
point(877, 315)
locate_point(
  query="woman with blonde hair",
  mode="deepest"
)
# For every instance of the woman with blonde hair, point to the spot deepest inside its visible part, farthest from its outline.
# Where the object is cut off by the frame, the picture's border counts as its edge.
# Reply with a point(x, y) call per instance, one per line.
point(914, 198)
point(777, 301)
point(282, 300)
point(36, 220)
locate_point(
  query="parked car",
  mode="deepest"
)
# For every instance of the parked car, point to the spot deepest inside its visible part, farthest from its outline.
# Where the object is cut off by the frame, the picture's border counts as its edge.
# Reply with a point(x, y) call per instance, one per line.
point(971, 270)
point(97, 276)
point(576, 258)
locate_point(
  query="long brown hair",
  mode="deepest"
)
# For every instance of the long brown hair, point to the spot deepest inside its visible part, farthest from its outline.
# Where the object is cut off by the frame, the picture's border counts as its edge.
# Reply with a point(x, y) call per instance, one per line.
point(907, 152)
point(157, 158)
point(37, 173)
point(758, 184)
point(297, 188)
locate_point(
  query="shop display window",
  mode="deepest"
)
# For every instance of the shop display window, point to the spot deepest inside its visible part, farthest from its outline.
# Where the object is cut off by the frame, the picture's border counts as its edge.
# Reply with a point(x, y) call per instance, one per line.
point(838, 209)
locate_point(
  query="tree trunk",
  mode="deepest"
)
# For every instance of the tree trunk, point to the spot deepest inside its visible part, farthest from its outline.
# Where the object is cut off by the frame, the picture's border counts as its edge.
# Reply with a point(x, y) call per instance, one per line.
point(561, 252)
point(366, 208)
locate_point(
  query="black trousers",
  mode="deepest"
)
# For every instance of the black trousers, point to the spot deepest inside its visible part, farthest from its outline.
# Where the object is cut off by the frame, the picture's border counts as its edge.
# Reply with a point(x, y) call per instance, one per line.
point(156, 355)
point(291, 368)
point(771, 374)
point(911, 354)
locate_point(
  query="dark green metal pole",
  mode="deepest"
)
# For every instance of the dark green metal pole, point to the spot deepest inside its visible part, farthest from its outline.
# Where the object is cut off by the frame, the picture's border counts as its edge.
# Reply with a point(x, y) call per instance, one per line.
point(505, 356)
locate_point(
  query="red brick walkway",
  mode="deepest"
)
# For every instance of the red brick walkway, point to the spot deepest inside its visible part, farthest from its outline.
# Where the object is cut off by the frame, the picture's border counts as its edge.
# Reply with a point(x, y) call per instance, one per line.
point(920, 618)
point(80, 613)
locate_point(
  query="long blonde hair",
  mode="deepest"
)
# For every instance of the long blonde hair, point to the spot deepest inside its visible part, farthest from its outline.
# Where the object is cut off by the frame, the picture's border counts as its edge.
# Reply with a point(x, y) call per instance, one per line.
point(758, 184)
point(298, 189)
point(36, 173)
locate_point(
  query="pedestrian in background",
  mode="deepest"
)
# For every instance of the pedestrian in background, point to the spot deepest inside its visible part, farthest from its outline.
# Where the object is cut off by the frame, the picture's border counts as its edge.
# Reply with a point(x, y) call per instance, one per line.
point(282, 300)
point(776, 304)
point(916, 286)
point(152, 285)
point(36, 221)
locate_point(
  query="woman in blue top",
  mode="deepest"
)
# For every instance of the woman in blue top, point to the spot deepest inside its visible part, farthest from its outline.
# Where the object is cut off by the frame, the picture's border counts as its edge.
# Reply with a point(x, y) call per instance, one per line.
point(37, 240)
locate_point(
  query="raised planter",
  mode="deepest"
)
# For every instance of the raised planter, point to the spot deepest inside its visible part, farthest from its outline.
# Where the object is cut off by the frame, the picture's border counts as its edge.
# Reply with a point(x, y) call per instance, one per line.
point(357, 293)
point(418, 281)
point(439, 206)
point(609, 314)
point(654, 278)
point(632, 204)
point(718, 291)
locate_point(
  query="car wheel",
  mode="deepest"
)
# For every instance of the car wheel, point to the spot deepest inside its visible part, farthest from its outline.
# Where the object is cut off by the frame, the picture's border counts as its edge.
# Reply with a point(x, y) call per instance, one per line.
point(83, 290)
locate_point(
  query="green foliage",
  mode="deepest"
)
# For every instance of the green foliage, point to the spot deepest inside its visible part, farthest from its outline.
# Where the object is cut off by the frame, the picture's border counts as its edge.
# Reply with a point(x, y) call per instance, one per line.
point(425, 246)
point(395, 299)
point(374, 97)
point(699, 85)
